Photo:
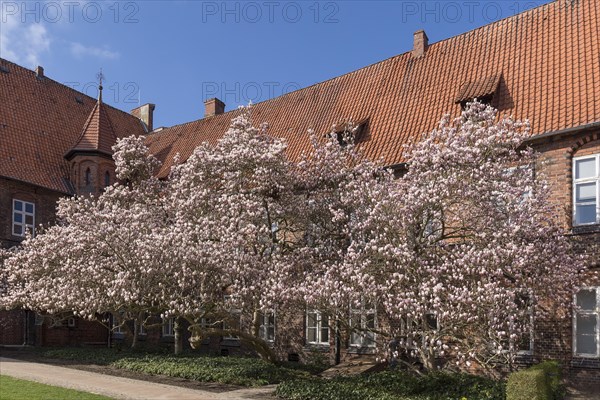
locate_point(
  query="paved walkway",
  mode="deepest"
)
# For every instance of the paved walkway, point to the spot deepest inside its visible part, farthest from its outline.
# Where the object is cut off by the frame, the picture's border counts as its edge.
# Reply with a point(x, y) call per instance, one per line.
point(117, 387)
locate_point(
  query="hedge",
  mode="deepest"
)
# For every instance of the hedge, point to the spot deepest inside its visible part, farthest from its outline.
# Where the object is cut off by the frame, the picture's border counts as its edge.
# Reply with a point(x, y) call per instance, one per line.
point(540, 382)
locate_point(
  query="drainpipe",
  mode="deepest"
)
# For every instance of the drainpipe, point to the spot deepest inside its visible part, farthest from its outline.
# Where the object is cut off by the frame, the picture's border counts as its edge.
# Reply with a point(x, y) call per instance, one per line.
point(25, 327)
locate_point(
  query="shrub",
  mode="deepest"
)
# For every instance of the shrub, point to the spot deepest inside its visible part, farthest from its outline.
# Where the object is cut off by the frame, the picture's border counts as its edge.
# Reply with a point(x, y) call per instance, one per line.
point(528, 384)
point(552, 372)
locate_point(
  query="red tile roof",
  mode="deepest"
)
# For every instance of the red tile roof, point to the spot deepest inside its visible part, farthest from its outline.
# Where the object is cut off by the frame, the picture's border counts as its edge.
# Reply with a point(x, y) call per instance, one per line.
point(547, 58)
point(40, 121)
point(98, 134)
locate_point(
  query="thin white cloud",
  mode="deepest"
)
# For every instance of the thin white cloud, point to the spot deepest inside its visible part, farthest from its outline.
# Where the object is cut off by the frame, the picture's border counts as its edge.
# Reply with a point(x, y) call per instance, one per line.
point(23, 43)
point(79, 50)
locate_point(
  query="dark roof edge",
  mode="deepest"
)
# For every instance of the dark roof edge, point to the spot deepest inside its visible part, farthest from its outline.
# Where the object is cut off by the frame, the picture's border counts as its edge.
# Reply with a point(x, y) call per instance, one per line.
point(73, 152)
point(10, 178)
point(562, 132)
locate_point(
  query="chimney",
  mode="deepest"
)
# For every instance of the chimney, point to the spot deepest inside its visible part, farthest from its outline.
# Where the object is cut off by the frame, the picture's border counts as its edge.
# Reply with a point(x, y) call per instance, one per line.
point(145, 114)
point(39, 72)
point(421, 41)
point(213, 106)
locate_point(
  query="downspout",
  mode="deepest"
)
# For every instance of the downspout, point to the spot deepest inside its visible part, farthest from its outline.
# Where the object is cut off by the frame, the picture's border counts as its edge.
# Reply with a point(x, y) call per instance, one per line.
point(25, 327)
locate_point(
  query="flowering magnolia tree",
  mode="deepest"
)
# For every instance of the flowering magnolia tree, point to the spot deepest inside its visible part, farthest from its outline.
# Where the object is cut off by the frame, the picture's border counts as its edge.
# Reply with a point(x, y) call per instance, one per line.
point(99, 258)
point(450, 264)
point(201, 247)
point(338, 190)
point(465, 255)
point(234, 211)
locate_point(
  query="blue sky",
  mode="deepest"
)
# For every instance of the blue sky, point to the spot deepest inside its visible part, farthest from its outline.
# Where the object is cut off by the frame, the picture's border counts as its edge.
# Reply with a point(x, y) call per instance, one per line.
point(176, 54)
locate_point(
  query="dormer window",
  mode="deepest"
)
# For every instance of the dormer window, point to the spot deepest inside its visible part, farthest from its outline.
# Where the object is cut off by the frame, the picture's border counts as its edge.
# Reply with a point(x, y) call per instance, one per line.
point(483, 90)
point(351, 133)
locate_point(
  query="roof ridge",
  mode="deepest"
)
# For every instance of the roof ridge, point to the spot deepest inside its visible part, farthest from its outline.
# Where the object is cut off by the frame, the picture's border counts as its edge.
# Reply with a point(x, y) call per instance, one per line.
point(64, 86)
point(389, 59)
point(503, 20)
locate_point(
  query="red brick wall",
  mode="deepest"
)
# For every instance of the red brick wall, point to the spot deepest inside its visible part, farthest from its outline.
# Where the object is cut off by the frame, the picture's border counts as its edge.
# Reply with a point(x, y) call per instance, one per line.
point(12, 324)
point(98, 167)
point(44, 200)
point(83, 333)
point(554, 338)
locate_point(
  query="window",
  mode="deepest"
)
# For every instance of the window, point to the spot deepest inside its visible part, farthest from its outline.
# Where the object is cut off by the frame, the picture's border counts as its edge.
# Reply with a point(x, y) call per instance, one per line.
point(266, 331)
point(586, 190)
point(168, 328)
point(23, 217)
point(88, 177)
point(363, 322)
point(317, 328)
point(106, 179)
point(525, 344)
point(117, 326)
point(141, 329)
point(234, 320)
point(586, 323)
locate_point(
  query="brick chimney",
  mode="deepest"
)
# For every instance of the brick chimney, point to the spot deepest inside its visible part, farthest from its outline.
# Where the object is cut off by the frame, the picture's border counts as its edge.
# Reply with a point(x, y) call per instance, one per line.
point(146, 114)
point(213, 106)
point(421, 42)
point(39, 72)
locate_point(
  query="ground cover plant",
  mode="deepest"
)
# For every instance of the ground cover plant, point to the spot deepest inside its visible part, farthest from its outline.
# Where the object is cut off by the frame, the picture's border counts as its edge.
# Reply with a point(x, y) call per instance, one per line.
point(394, 386)
point(18, 389)
point(242, 371)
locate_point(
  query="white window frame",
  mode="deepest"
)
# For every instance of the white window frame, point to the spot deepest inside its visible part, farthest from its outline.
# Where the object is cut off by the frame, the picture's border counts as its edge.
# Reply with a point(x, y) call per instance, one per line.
point(595, 179)
point(116, 328)
point(595, 312)
point(529, 350)
point(318, 327)
point(266, 326)
point(24, 214)
point(363, 314)
point(141, 329)
point(407, 327)
point(168, 327)
point(531, 330)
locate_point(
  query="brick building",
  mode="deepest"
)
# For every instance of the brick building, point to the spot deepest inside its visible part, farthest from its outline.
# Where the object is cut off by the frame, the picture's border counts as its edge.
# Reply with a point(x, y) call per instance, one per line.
point(541, 65)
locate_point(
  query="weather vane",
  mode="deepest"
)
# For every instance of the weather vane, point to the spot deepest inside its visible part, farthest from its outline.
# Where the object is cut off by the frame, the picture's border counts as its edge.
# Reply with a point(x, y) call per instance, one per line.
point(100, 78)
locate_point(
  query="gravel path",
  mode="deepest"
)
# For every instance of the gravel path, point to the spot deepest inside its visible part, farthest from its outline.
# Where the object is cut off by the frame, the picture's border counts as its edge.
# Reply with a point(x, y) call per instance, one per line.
point(118, 387)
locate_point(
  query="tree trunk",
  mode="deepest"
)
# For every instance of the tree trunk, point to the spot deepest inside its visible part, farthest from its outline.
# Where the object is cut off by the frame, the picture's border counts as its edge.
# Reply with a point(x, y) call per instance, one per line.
point(256, 323)
point(134, 341)
point(178, 328)
point(338, 343)
point(256, 343)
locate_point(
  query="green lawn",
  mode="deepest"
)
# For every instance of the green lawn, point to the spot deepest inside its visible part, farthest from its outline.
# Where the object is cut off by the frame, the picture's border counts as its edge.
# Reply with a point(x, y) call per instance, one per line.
point(18, 389)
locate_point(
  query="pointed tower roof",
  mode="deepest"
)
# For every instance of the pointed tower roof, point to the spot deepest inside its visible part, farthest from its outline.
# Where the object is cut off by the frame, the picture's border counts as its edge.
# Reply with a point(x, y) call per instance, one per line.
point(98, 135)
